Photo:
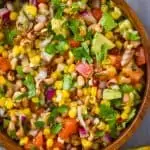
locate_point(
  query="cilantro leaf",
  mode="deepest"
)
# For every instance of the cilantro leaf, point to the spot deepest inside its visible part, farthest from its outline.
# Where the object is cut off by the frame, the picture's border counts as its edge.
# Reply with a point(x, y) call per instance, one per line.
point(126, 88)
point(9, 36)
point(56, 128)
point(133, 36)
point(21, 96)
point(108, 114)
point(39, 124)
point(19, 70)
point(2, 92)
point(82, 53)
point(102, 54)
point(107, 22)
point(30, 84)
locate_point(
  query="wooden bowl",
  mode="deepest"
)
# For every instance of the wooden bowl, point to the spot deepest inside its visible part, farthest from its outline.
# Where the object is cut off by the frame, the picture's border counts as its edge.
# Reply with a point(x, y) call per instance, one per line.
point(10, 145)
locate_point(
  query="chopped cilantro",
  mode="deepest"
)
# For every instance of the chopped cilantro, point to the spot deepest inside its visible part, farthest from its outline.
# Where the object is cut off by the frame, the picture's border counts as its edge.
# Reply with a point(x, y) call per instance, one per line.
point(56, 128)
point(39, 124)
point(133, 36)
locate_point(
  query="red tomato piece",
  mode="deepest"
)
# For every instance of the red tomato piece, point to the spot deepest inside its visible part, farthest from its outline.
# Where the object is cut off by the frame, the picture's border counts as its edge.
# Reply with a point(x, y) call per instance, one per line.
point(140, 56)
point(97, 13)
point(74, 43)
point(38, 140)
point(4, 64)
point(84, 69)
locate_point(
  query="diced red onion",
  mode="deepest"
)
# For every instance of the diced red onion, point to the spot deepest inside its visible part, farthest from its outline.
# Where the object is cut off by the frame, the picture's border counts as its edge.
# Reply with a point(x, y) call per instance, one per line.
point(88, 17)
point(34, 2)
point(4, 14)
point(50, 93)
point(22, 118)
point(80, 117)
point(107, 139)
point(83, 133)
point(95, 3)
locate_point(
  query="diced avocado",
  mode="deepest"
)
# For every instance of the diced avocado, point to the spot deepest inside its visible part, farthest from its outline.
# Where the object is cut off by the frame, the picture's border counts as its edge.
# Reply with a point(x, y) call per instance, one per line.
point(58, 26)
point(100, 40)
point(110, 94)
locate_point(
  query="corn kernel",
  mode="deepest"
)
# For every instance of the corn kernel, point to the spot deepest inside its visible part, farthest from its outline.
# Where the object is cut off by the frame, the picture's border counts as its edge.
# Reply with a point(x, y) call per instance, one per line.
point(101, 126)
point(119, 45)
point(86, 144)
point(1, 36)
point(2, 101)
point(71, 68)
point(17, 50)
point(85, 91)
point(35, 60)
point(46, 131)
point(1, 49)
point(96, 110)
point(24, 141)
point(55, 75)
point(93, 91)
point(105, 102)
point(127, 109)
point(72, 112)
point(124, 116)
point(13, 16)
point(58, 85)
point(31, 10)
point(92, 100)
point(2, 80)
point(9, 103)
point(116, 14)
point(104, 8)
point(107, 128)
point(5, 54)
point(27, 112)
point(109, 35)
point(65, 94)
point(66, 69)
point(35, 100)
point(49, 143)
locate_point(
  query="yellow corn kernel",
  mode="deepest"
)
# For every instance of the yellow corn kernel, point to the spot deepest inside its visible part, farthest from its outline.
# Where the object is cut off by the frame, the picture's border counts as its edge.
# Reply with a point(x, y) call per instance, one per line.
point(92, 100)
point(9, 103)
point(2, 101)
point(61, 102)
point(24, 141)
point(96, 110)
point(71, 68)
point(66, 69)
point(124, 116)
point(5, 54)
point(46, 131)
point(93, 91)
point(55, 75)
point(49, 143)
point(105, 102)
point(65, 94)
point(104, 8)
point(17, 50)
point(35, 60)
point(13, 16)
point(31, 10)
point(127, 109)
point(1, 36)
point(101, 126)
point(85, 91)
point(27, 112)
point(72, 104)
point(109, 35)
point(58, 85)
point(1, 49)
point(35, 100)
point(118, 44)
point(2, 80)
point(107, 128)
point(37, 43)
point(72, 112)
point(86, 144)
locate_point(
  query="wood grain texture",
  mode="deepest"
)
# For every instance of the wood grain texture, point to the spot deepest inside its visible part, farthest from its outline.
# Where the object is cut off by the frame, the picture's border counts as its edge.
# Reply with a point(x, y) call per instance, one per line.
point(10, 145)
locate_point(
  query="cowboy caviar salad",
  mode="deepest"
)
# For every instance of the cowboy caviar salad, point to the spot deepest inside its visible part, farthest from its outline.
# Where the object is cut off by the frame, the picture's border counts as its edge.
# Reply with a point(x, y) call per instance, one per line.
point(71, 73)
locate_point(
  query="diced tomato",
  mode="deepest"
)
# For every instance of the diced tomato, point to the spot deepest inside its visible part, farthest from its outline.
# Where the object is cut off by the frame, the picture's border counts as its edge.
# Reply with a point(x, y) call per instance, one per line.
point(74, 43)
point(84, 69)
point(115, 60)
point(38, 140)
point(42, 1)
point(136, 76)
point(28, 146)
point(70, 127)
point(58, 145)
point(140, 56)
point(97, 13)
point(4, 64)
point(40, 111)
